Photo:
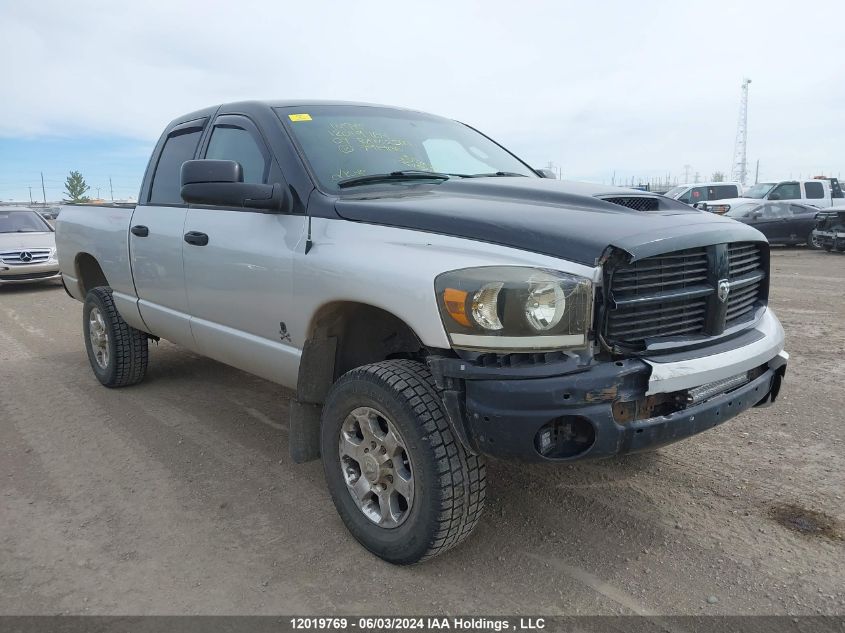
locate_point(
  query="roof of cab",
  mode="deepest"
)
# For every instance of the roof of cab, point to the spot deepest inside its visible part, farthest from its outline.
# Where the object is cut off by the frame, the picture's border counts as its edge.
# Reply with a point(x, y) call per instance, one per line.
point(280, 103)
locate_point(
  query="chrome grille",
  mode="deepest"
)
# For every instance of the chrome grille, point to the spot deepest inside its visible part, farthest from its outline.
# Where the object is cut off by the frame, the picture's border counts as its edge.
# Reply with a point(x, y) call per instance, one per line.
point(675, 294)
point(744, 267)
point(18, 258)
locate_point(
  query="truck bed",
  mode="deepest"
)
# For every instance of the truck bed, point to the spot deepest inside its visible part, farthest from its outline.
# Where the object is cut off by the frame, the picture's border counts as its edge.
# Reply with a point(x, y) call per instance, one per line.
point(98, 233)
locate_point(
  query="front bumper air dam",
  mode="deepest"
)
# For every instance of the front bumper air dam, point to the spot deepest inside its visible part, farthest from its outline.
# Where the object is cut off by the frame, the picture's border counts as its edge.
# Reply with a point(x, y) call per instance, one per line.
point(28, 273)
point(502, 417)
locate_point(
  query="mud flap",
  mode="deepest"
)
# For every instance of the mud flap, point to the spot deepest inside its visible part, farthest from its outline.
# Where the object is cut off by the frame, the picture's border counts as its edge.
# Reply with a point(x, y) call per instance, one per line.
point(304, 440)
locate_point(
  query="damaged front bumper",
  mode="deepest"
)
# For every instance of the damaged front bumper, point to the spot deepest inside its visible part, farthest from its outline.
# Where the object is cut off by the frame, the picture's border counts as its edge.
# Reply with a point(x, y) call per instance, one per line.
point(830, 239)
point(551, 408)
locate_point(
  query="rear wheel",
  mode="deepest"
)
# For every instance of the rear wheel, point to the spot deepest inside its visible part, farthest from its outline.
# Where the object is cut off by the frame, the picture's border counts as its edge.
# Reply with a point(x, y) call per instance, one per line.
point(401, 481)
point(118, 353)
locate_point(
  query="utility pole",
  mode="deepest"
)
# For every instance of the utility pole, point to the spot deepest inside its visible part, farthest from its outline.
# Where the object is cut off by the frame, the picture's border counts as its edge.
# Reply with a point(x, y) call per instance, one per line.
point(687, 169)
point(30, 195)
point(98, 192)
point(43, 190)
point(757, 172)
point(111, 190)
point(739, 171)
point(557, 170)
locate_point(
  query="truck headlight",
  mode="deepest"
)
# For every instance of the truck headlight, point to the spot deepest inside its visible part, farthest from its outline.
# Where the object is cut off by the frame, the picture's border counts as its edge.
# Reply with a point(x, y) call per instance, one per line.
point(501, 308)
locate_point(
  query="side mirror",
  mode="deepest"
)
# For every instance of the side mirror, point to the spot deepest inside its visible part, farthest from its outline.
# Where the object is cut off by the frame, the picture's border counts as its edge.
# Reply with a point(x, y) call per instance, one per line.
point(756, 215)
point(220, 183)
point(774, 196)
point(546, 173)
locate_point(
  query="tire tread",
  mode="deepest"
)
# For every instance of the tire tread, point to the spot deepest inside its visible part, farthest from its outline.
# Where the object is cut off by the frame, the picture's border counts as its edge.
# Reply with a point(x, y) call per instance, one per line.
point(462, 475)
point(131, 356)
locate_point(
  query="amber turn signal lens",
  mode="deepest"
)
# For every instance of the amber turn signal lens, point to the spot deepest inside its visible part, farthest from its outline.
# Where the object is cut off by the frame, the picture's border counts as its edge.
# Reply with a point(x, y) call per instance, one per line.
point(455, 302)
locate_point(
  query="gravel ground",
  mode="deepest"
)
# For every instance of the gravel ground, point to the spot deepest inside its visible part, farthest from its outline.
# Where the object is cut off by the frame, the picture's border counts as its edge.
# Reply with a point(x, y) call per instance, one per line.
point(177, 496)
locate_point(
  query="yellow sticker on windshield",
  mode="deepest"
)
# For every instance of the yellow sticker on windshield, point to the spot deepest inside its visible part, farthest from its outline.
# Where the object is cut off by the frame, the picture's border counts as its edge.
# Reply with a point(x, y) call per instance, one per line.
point(299, 117)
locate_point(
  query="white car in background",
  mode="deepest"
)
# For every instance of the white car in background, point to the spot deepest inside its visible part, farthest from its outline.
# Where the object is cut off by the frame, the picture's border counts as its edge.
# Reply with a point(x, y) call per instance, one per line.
point(704, 191)
point(27, 247)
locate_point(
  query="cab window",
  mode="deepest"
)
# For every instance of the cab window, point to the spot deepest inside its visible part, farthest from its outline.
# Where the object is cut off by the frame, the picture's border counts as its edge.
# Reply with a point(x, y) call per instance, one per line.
point(786, 191)
point(699, 194)
point(814, 190)
point(179, 147)
point(237, 144)
point(722, 192)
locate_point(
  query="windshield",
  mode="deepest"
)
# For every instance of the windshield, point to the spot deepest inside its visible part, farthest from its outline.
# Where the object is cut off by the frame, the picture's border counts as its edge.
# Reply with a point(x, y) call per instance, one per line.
point(759, 190)
point(674, 192)
point(741, 210)
point(22, 222)
point(344, 142)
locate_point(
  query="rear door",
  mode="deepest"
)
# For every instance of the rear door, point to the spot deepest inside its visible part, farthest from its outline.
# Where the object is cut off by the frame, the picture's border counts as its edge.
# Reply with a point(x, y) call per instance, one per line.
point(239, 283)
point(155, 240)
point(802, 223)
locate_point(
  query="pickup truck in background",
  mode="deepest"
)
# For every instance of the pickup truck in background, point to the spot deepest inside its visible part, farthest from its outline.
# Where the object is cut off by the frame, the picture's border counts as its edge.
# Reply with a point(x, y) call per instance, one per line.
point(431, 299)
point(818, 192)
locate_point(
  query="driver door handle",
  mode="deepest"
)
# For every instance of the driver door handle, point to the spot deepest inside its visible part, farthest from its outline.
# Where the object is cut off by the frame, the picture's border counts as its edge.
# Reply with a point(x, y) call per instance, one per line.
point(196, 238)
point(140, 230)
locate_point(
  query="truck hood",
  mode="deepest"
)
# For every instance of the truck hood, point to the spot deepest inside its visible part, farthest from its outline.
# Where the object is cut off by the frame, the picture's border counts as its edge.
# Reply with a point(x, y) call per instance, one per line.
point(23, 241)
point(552, 217)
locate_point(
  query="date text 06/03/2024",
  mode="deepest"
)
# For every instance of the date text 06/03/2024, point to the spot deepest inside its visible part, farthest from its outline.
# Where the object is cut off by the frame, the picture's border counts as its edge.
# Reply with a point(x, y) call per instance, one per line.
point(417, 623)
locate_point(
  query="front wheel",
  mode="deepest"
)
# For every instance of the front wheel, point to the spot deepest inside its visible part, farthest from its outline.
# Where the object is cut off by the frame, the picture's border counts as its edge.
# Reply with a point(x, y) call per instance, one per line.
point(118, 353)
point(813, 242)
point(403, 484)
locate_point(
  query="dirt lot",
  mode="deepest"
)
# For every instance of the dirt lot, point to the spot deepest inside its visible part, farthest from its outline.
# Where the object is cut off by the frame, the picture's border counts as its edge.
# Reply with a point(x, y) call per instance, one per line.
point(177, 496)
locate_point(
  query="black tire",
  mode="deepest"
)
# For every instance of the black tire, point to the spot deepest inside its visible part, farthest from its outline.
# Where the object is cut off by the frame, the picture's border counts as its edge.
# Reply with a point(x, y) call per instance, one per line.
point(128, 352)
point(449, 483)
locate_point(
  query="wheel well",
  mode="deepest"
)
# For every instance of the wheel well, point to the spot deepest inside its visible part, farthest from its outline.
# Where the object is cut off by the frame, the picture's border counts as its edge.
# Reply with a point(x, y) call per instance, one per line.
point(346, 335)
point(89, 273)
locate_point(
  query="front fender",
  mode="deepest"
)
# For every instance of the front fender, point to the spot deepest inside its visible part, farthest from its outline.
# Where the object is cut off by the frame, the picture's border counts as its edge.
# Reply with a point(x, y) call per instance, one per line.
point(394, 269)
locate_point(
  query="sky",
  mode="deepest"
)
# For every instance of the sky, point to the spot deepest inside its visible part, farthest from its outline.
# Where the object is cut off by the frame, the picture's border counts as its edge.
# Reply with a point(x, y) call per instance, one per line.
point(607, 90)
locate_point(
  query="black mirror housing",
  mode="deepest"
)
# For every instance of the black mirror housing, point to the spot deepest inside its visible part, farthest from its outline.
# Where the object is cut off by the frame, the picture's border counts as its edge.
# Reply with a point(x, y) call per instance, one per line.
point(220, 183)
point(204, 171)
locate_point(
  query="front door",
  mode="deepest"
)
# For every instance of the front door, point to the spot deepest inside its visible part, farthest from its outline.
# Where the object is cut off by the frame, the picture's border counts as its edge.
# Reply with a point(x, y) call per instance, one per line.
point(155, 241)
point(239, 271)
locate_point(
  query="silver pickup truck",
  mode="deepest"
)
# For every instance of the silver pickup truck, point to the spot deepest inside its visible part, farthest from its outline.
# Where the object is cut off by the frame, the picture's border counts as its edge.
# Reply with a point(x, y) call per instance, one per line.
point(431, 299)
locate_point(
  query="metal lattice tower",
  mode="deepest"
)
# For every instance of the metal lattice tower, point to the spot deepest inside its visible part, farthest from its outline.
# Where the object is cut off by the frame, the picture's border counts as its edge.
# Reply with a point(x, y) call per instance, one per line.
point(739, 171)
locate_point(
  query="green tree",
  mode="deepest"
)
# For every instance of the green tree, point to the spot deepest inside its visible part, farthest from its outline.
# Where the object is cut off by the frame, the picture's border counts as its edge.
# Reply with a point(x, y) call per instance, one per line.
point(718, 176)
point(76, 187)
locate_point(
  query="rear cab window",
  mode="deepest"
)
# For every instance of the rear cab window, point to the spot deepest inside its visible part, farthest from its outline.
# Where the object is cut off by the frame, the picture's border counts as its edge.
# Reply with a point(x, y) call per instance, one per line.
point(722, 192)
point(814, 190)
point(180, 146)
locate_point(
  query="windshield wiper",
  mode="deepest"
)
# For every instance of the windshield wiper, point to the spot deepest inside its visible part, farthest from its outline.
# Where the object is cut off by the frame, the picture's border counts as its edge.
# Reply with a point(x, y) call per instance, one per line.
point(497, 174)
point(408, 174)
